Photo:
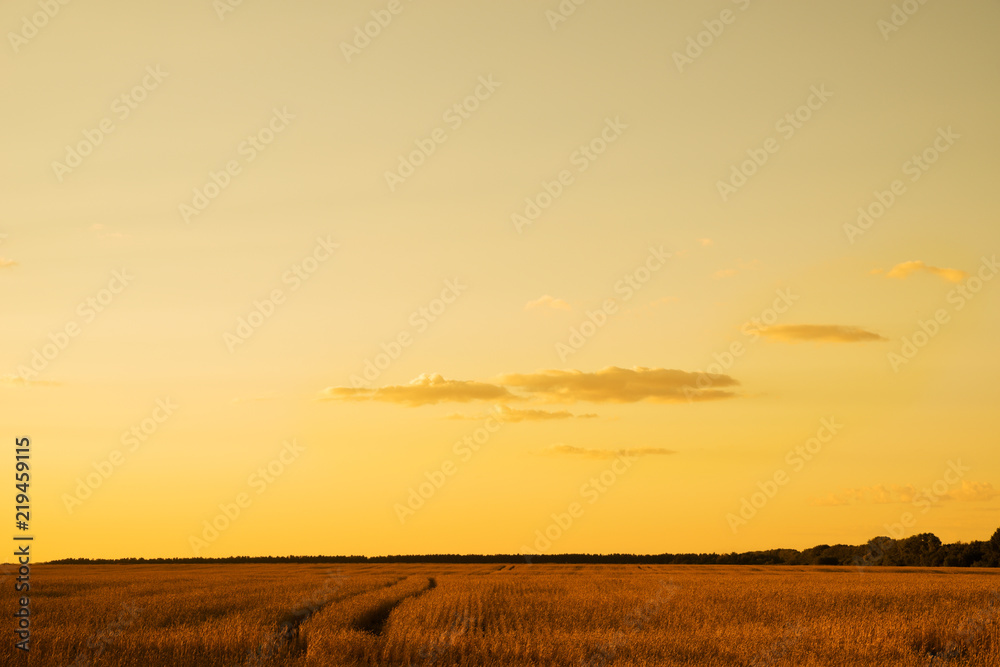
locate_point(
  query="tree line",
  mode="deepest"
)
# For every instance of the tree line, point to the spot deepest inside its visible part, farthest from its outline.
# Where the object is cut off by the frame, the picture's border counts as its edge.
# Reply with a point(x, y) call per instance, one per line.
point(923, 550)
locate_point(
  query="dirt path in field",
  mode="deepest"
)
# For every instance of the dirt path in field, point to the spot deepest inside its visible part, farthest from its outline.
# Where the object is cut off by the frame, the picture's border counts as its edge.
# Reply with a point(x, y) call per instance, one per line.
point(286, 640)
point(375, 622)
point(290, 622)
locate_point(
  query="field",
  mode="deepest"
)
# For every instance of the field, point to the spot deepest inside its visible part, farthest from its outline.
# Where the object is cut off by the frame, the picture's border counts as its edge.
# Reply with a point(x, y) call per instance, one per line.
point(588, 615)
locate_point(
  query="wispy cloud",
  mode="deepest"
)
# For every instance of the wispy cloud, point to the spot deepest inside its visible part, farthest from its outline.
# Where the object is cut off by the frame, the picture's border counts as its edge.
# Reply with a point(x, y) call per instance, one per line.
point(609, 385)
point(752, 265)
point(547, 302)
point(509, 414)
point(906, 269)
point(818, 333)
point(18, 381)
point(6, 263)
point(428, 389)
point(888, 494)
point(583, 452)
point(621, 385)
point(102, 230)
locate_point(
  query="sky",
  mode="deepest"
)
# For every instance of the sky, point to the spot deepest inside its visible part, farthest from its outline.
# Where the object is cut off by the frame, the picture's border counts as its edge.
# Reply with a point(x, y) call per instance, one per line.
point(413, 277)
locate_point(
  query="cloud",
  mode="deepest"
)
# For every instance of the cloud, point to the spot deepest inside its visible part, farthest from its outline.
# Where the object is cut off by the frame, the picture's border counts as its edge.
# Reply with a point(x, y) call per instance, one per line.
point(621, 385)
point(99, 229)
point(752, 265)
point(819, 333)
point(891, 494)
point(973, 492)
point(610, 385)
point(428, 389)
point(547, 302)
point(909, 268)
point(705, 242)
point(6, 263)
point(18, 381)
point(513, 415)
point(570, 450)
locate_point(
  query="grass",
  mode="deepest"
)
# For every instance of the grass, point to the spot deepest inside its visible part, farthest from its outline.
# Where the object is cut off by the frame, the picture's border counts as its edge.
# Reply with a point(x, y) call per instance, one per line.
point(587, 615)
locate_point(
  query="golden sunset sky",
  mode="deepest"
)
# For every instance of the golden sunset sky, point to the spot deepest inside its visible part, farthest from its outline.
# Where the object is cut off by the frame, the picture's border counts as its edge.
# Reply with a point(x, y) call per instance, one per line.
point(666, 243)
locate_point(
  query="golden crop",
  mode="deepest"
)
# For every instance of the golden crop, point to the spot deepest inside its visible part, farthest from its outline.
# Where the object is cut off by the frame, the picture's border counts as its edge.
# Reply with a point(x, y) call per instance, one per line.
point(260, 615)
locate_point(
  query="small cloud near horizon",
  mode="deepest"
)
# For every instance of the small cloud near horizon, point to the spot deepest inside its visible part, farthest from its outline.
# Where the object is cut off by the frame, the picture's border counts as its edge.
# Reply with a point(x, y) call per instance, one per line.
point(561, 449)
point(905, 269)
point(818, 333)
point(18, 381)
point(891, 494)
point(549, 302)
point(100, 229)
point(427, 389)
point(514, 415)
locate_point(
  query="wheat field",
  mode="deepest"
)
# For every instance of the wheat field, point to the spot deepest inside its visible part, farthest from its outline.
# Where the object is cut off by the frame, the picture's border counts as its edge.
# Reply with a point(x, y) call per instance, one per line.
point(588, 615)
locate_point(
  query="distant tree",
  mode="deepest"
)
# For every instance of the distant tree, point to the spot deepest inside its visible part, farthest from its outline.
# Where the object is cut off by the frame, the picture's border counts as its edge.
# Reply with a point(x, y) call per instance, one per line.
point(995, 542)
point(875, 552)
point(921, 549)
point(961, 554)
